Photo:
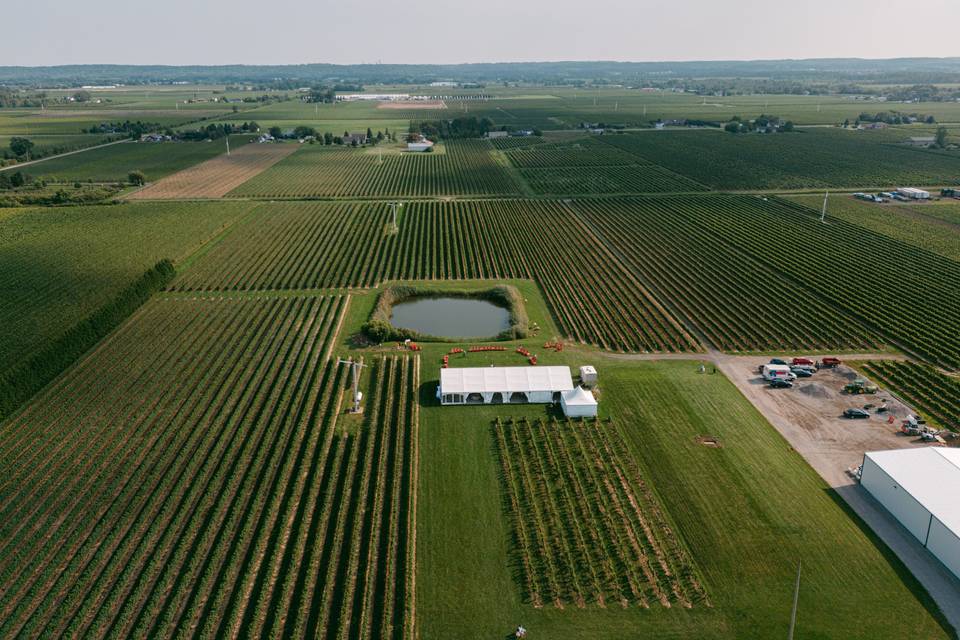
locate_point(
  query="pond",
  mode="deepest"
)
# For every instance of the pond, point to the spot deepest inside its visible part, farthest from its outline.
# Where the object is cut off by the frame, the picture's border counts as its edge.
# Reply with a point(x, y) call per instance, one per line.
point(451, 317)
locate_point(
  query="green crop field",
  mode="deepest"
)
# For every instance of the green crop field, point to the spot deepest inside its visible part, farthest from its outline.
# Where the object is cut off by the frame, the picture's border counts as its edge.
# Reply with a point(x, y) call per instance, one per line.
point(812, 158)
point(464, 168)
point(933, 227)
point(936, 395)
point(178, 454)
point(57, 266)
point(113, 163)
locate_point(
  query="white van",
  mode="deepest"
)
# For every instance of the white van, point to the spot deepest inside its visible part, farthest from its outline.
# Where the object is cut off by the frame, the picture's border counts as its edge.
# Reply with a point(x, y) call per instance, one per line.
point(778, 372)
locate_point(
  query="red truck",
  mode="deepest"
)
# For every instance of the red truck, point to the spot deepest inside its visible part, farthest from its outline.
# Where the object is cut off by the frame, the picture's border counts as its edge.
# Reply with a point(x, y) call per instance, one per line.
point(829, 362)
point(802, 361)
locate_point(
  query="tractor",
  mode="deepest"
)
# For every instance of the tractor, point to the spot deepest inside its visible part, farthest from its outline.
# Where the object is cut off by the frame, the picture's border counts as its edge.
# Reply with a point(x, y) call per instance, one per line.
point(860, 386)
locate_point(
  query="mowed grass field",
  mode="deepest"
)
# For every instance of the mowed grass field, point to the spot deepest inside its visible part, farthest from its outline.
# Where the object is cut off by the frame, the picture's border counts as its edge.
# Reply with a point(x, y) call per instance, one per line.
point(59, 265)
point(114, 163)
point(748, 511)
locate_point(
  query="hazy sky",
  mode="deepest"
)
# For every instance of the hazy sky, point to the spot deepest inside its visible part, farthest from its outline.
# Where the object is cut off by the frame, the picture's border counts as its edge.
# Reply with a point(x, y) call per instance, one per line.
point(47, 32)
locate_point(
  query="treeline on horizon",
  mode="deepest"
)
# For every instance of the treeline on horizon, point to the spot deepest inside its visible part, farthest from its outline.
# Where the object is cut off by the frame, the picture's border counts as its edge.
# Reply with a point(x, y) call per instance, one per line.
point(901, 70)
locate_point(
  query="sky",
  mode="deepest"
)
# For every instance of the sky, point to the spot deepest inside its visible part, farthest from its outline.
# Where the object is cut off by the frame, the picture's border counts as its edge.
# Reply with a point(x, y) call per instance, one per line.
point(196, 32)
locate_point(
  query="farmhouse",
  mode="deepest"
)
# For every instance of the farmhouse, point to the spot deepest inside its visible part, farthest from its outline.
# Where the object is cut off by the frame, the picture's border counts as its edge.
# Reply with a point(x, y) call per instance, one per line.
point(919, 487)
point(355, 138)
point(499, 385)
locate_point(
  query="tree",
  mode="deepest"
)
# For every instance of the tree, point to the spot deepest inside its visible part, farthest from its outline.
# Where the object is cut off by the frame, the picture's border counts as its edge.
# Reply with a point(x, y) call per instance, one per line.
point(328, 138)
point(19, 179)
point(82, 96)
point(930, 120)
point(21, 146)
point(941, 137)
point(732, 127)
point(276, 132)
point(787, 126)
point(369, 134)
point(137, 178)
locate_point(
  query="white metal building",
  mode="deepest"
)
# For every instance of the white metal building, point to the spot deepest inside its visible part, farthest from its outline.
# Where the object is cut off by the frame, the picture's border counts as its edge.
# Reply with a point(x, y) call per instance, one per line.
point(920, 488)
point(913, 193)
point(496, 385)
point(578, 403)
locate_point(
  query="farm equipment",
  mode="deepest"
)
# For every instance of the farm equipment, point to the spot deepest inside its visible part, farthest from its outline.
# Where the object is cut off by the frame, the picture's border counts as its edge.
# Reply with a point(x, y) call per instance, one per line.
point(860, 386)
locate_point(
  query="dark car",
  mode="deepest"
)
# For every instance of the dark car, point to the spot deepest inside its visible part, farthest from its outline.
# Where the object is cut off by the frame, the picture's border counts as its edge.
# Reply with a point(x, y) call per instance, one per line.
point(801, 372)
point(778, 361)
point(855, 413)
point(779, 383)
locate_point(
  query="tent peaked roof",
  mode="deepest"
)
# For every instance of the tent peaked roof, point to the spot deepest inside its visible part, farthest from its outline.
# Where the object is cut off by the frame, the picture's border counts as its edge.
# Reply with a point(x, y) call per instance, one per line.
point(579, 396)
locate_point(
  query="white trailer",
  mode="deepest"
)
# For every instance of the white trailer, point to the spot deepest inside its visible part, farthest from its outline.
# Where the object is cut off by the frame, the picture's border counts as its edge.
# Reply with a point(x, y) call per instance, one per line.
point(913, 193)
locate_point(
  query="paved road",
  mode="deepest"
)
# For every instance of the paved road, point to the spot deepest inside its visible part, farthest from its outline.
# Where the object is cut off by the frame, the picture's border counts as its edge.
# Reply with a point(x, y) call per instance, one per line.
point(20, 165)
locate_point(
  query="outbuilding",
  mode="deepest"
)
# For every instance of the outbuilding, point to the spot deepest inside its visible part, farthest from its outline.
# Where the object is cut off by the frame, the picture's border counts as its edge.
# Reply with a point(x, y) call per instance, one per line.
point(578, 403)
point(919, 487)
point(914, 193)
point(588, 375)
point(504, 385)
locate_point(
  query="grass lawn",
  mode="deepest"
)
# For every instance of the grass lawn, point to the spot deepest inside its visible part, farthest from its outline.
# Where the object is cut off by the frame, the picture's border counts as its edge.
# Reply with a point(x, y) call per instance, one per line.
point(748, 511)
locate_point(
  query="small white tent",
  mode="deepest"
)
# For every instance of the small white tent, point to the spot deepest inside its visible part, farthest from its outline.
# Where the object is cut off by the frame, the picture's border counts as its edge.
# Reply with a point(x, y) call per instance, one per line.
point(578, 403)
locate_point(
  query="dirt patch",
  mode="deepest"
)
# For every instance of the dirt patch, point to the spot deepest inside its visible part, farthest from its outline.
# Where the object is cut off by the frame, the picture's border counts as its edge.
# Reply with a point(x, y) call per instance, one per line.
point(709, 441)
point(412, 104)
point(218, 176)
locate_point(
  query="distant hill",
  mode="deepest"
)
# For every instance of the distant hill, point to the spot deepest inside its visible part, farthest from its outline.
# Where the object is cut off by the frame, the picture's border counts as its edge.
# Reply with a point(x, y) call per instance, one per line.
point(900, 70)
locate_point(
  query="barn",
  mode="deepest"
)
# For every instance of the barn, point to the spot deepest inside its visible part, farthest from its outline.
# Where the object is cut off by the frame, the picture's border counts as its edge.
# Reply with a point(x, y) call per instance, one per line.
point(919, 487)
point(504, 385)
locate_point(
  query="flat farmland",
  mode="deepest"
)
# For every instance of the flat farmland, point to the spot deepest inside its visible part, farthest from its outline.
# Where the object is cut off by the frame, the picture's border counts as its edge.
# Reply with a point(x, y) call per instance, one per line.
point(934, 227)
point(466, 168)
point(746, 508)
point(815, 158)
point(59, 265)
point(203, 476)
point(323, 245)
point(113, 163)
point(218, 176)
point(620, 179)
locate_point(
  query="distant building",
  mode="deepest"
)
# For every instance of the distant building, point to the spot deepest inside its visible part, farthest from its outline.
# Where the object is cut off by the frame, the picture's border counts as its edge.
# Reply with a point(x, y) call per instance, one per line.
point(358, 138)
point(444, 83)
point(420, 145)
point(504, 385)
point(921, 141)
point(497, 134)
point(914, 193)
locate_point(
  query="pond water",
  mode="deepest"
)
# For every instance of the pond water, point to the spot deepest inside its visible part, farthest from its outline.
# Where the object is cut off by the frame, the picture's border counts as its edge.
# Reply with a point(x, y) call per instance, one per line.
point(451, 317)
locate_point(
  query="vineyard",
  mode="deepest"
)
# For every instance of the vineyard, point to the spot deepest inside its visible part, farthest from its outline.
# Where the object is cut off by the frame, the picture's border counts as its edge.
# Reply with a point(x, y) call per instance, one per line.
point(466, 167)
point(191, 475)
point(930, 391)
point(113, 163)
point(736, 301)
point(586, 527)
point(50, 280)
point(330, 245)
point(811, 158)
point(218, 176)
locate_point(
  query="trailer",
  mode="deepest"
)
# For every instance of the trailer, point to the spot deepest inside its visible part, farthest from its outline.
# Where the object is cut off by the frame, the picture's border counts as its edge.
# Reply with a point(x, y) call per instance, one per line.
point(772, 372)
point(913, 193)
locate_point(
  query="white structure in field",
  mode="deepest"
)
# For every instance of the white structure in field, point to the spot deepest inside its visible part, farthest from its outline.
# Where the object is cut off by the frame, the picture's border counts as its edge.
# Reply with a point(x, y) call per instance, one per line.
point(920, 488)
point(588, 375)
point(420, 145)
point(504, 385)
point(578, 403)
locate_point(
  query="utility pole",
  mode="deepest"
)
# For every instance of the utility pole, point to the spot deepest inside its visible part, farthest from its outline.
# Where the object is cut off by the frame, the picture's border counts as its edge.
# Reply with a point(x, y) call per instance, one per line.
point(393, 209)
point(823, 213)
point(796, 597)
point(227, 138)
point(355, 366)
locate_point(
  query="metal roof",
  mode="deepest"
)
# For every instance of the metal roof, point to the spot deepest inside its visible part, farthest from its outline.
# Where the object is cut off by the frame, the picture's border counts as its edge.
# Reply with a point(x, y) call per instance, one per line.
point(505, 379)
point(931, 475)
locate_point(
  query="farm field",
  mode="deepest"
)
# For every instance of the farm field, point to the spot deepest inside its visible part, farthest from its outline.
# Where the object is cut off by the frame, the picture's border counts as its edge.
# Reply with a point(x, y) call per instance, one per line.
point(933, 393)
point(736, 301)
point(620, 179)
point(54, 144)
point(227, 492)
point(465, 168)
point(927, 227)
point(113, 163)
point(216, 177)
point(815, 158)
point(50, 281)
point(746, 510)
point(324, 245)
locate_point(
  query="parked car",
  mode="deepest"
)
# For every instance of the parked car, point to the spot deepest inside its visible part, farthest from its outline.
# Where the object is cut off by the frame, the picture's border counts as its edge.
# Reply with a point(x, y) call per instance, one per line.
point(801, 372)
point(829, 362)
point(855, 414)
point(804, 361)
point(780, 383)
point(777, 361)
